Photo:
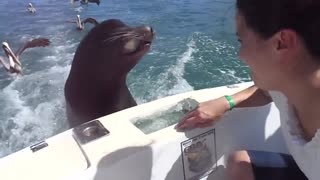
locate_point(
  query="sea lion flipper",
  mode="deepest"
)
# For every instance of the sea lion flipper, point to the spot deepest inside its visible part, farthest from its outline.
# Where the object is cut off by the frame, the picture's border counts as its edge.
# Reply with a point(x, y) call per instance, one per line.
point(38, 42)
point(90, 20)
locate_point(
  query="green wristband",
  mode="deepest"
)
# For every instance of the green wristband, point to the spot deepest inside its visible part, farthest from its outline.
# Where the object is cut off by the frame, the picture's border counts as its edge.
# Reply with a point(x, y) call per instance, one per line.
point(230, 100)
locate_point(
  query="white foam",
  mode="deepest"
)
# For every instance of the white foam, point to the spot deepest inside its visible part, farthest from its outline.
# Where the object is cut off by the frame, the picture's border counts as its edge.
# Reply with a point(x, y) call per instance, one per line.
point(27, 122)
point(33, 105)
point(178, 70)
point(171, 81)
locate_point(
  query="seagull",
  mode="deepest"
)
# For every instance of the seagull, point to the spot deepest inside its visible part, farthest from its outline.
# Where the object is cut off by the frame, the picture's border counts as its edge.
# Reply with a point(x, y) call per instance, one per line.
point(31, 9)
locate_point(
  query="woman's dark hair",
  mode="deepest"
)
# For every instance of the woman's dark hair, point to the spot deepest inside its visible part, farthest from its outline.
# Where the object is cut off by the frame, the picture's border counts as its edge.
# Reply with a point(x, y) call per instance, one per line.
point(267, 17)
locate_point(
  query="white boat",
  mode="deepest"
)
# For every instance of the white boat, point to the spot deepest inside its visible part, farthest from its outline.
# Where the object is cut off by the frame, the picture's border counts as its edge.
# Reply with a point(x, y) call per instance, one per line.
point(155, 150)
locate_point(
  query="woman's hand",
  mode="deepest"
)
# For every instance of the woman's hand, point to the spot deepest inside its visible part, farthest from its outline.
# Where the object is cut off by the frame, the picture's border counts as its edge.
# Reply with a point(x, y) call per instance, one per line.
point(205, 114)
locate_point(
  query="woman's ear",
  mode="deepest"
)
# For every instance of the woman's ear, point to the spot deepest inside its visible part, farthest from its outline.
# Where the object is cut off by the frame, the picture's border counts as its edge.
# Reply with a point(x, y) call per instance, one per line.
point(286, 47)
point(286, 39)
point(315, 79)
point(280, 45)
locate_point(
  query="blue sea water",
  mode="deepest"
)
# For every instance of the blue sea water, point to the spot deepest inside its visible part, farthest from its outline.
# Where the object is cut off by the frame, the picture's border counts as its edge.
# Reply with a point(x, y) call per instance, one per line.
point(195, 48)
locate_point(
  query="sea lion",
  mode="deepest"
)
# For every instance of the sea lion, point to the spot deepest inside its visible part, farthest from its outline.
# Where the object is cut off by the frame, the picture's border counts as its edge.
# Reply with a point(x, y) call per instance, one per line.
point(96, 85)
point(31, 9)
point(14, 65)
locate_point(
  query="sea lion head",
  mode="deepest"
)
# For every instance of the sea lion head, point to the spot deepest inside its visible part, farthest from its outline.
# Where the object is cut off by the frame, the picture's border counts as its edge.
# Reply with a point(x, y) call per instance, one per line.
point(114, 44)
point(96, 85)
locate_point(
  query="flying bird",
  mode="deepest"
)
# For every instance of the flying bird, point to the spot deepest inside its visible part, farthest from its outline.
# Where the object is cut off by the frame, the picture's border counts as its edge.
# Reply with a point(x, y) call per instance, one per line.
point(11, 62)
point(31, 9)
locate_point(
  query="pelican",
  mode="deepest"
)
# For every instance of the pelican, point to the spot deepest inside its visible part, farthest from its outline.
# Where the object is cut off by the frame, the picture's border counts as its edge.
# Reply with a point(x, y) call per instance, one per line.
point(80, 24)
point(11, 62)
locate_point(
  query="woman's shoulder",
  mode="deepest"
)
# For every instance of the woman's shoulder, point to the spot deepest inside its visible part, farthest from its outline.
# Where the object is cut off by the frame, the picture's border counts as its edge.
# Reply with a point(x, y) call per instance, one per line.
point(305, 153)
point(289, 119)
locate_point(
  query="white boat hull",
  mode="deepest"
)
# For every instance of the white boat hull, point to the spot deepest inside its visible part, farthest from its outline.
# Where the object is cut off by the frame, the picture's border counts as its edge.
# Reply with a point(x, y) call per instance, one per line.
point(128, 153)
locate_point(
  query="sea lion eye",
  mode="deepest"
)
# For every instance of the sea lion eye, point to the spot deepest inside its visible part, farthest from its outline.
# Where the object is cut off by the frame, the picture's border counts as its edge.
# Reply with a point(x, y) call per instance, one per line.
point(131, 46)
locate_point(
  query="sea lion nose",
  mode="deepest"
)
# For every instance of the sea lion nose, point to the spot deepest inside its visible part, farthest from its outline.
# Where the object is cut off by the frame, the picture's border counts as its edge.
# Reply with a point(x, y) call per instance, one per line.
point(149, 28)
point(148, 32)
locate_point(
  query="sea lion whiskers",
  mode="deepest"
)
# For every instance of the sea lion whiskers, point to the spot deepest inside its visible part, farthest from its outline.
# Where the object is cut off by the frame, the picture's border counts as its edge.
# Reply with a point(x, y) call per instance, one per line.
point(121, 33)
point(119, 36)
point(110, 40)
point(124, 35)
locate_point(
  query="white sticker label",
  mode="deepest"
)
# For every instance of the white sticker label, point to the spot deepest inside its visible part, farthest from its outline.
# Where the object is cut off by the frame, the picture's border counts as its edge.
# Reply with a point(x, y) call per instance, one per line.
point(199, 156)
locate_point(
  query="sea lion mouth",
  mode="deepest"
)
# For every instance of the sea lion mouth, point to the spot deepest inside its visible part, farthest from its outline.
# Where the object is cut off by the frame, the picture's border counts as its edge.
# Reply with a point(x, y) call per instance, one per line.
point(134, 41)
point(135, 46)
point(140, 44)
point(143, 44)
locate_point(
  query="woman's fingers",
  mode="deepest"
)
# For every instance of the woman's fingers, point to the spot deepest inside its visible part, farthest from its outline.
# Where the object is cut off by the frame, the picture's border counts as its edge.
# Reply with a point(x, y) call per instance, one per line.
point(186, 123)
point(204, 115)
point(206, 124)
point(195, 119)
point(186, 117)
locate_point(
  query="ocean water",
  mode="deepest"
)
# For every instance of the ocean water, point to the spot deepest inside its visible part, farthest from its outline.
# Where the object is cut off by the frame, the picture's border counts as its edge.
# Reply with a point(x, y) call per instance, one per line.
point(195, 48)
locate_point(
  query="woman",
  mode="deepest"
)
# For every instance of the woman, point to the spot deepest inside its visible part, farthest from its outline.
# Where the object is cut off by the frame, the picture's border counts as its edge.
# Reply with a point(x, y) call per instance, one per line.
point(280, 41)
